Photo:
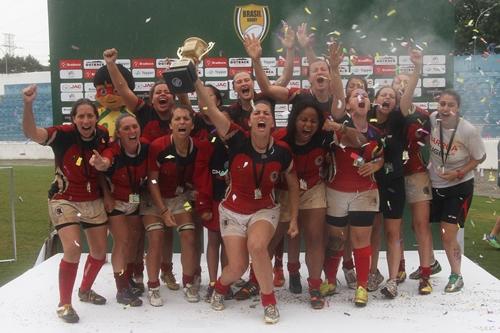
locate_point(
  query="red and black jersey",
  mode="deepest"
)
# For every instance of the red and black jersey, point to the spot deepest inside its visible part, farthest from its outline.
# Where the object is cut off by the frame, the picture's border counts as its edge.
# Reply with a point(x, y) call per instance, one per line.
point(309, 159)
point(240, 116)
point(251, 171)
point(127, 174)
point(152, 126)
point(175, 171)
point(417, 127)
point(346, 177)
point(75, 179)
point(296, 95)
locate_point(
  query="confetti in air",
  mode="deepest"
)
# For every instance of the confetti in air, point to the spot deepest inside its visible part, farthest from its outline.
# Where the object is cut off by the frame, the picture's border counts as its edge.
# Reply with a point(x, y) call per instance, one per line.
point(391, 13)
point(76, 243)
point(307, 10)
point(148, 19)
point(75, 47)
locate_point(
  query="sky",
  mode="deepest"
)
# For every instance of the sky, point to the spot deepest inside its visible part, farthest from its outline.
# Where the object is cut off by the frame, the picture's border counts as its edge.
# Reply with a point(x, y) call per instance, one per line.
point(28, 21)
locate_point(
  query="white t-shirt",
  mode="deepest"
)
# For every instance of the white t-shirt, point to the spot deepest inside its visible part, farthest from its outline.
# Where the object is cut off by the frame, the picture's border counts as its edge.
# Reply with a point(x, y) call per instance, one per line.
point(467, 144)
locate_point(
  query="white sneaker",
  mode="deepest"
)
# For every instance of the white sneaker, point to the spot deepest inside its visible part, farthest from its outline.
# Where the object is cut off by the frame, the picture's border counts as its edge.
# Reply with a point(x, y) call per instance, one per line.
point(155, 297)
point(191, 293)
point(350, 278)
point(271, 314)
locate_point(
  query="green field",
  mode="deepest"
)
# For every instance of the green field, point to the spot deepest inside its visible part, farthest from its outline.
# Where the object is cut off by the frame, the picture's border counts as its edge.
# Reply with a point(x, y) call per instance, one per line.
point(31, 184)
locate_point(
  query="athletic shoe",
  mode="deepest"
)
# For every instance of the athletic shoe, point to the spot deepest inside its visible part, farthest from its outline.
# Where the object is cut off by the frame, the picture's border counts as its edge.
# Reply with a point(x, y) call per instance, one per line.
point(317, 299)
point(401, 277)
point(155, 297)
point(217, 301)
point(327, 289)
point(210, 291)
point(68, 314)
point(390, 289)
point(424, 286)
point(455, 283)
point(168, 278)
point(271, 314)
point(492, 240)
point(240, 283)
point(127, 297)
point(279, 277)
point(137, 283)
point(350, 277)
point(197, 283)
point(294, 285)
point(91, 296)
point(374, 281)
point(248, 290)
point(361, 297)
point(191, 293)
point(435, 268)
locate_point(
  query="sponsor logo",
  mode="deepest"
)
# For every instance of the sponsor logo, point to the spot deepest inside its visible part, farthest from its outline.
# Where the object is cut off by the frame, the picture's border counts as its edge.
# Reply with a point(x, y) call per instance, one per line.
point(93, 64)
point(319, 161)
point(159, 72)
point(89, 87)
point(282, 61)
point(143, 63)
point(422, 105)
point(433, 105)
point(163, 63)
point(66, 110)
point(90, 95)
point(434, 82)
point(251, 20)
point(296, 71)
point(384, 70)
point(270, 71)
point(362, 70)
point(234, 70)
point(434, 59)
point(143, 72)
point(281, 107)
point(70, 74)
point(70, 64)
point(124, 62)
point(273, 176)
point(405, 69)
point(143, 86)
point(71, 87)
point(176, 82)
point(361, 60)
point(192, 96)
point(386, 60)
point(216, 72)
point(268, 61)
point(293, 84)
point(344, 70)
point(240, 62)
point(215, 62)
point(89, 74)
point(221, 85)
point(381, 83)
point(434, 69)
point(405, 60)
point(71, 97)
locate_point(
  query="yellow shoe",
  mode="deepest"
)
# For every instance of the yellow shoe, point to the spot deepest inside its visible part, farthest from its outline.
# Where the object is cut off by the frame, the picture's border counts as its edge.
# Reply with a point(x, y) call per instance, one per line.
point(424, 287)
point(327, 289)
point(401, 277)
point(169, 279)
point(361, 297)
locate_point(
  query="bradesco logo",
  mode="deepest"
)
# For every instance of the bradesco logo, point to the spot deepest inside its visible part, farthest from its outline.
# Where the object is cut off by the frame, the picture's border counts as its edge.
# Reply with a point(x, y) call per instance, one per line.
point(215, 62)
point(143, 63)
point(251, 20)
point(70, 64)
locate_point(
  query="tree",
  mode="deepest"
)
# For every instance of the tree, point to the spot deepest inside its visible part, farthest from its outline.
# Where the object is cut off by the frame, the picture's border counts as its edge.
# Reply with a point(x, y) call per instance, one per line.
point(477, 26)
point(16, 64)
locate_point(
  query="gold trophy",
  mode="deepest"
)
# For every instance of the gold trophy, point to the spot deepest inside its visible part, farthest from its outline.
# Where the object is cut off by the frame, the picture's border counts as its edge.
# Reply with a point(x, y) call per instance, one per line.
point(182, 74)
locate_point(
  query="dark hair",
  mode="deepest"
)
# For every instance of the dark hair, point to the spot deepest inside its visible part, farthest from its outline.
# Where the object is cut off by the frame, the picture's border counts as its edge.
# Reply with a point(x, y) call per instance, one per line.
point(265, 100)
point(118, 120)
point(186, 107)
point(102, 76)
point(451, 93)
point(297, 108)
point(152, 90)
point(356, 77)
point(83, 101)
point(217, 93)
point(239, 72)
point(315, 61)
point(396, 95)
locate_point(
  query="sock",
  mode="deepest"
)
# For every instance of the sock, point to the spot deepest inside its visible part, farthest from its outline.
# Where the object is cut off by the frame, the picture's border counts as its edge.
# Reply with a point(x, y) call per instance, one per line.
point(67, 277)
point(166, 266)
point(92, 268)
point(220, 288)
point(293, 267)
point(121, 281)
point(348, 264)
point(267, 299)
point(314, 284)
point(278, 254)
point(129, 271)
point(331, 266)
point(426, 272)
point(252, 278)
point(362, 258)
point(197, 272)
point(153, 284)
point(139, 269)
point(401, 266)
point(187, 279)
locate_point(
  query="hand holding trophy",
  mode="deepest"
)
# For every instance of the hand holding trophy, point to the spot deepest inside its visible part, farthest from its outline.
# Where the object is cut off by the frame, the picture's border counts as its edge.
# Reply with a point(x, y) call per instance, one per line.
point(182, 74)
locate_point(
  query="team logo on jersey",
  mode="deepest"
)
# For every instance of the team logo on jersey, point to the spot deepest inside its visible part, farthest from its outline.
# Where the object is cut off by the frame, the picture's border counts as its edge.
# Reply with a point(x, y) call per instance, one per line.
point(274, 176)
point(318, 161)
point(252, 20)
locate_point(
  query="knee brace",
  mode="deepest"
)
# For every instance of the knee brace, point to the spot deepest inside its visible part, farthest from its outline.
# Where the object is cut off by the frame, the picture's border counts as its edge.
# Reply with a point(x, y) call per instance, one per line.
point(185, 227)
point(154, 226)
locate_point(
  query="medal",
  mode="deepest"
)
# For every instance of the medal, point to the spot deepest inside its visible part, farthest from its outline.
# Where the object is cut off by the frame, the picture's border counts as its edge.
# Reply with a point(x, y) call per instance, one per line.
point(257, 194)
point(302, 184)
point(78, 161)
point(134, 198)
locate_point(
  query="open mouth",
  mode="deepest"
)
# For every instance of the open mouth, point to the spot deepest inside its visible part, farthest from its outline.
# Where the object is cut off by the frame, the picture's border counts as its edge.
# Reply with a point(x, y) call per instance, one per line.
point(261, 125)
point(385, 104)
point(162, 101)
point(321, 79)
point(245, 90)
point(361, 104)
point(133, 137)
point(181, 130)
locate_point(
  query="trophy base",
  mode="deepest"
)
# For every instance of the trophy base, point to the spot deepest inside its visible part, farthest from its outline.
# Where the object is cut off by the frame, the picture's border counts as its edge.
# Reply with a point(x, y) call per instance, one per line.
point(181, 76)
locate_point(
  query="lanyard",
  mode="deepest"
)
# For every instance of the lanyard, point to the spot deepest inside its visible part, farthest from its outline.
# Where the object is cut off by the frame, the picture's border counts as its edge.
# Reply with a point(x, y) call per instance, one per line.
point(444, 157)
point(258, 179)
point(86, 168)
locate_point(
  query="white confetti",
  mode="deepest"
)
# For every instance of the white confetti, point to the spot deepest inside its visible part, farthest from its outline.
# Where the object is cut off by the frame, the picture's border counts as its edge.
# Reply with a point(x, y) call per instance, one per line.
point(153, 181)
point(76, 243)
point(148, 19)
point(245, 164)
point(234, 197)
point(20, 198)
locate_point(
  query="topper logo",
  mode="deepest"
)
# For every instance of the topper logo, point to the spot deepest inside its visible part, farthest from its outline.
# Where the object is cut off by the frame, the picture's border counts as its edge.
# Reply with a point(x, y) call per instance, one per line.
point(176, 82)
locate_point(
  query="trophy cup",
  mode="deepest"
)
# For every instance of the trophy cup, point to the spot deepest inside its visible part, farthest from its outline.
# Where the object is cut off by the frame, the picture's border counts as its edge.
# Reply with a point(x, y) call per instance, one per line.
point(182, 74)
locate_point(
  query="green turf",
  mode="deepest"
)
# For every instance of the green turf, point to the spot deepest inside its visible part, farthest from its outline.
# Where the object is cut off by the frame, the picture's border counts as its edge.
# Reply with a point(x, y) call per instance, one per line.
point(32, 182)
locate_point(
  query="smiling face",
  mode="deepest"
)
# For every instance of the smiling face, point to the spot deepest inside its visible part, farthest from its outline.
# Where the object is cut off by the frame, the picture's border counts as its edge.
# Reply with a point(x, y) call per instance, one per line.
point(448, 107)
point(306, 125)
point(108, 96)
point(243, 86)
point(261, 119)
point(386, 98)
point(162, 99)
point(85, 120)
point(128, 131)
point(181, 123)
point(319, 75)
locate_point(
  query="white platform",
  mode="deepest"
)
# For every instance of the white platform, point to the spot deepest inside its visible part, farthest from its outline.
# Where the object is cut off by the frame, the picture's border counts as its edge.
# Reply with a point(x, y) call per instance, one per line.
point(28, 304)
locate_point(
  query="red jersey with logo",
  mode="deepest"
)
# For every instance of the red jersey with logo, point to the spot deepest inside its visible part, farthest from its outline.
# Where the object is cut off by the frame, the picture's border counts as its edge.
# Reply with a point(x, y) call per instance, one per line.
point(240, 116)
point(417, 128)
point(75, 179)
point(295, 95)
point(127, 174)
point(152, 126)
point(251, 171)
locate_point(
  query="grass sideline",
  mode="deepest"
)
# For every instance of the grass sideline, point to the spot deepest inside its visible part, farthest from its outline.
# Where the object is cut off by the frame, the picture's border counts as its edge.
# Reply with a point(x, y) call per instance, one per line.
point(32, 182)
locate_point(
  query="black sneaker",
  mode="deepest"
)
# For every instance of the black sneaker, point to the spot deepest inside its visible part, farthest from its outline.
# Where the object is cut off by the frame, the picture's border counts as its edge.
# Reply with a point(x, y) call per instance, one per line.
point(295, 285)
point(317, 300)
point(68, 314)
point(127, 297)
point(417, 274)
point(250, 289)
point(91, 297)
point(137, 288)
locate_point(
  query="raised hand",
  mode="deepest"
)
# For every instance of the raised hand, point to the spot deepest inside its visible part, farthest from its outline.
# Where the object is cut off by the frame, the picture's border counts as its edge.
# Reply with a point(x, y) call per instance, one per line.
point(336, 55)
point(29, 93)
point(252, 46)
point(303, 38)
point(110, 55)
point(99, 162)
point(288, 41)
point(416, 57)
